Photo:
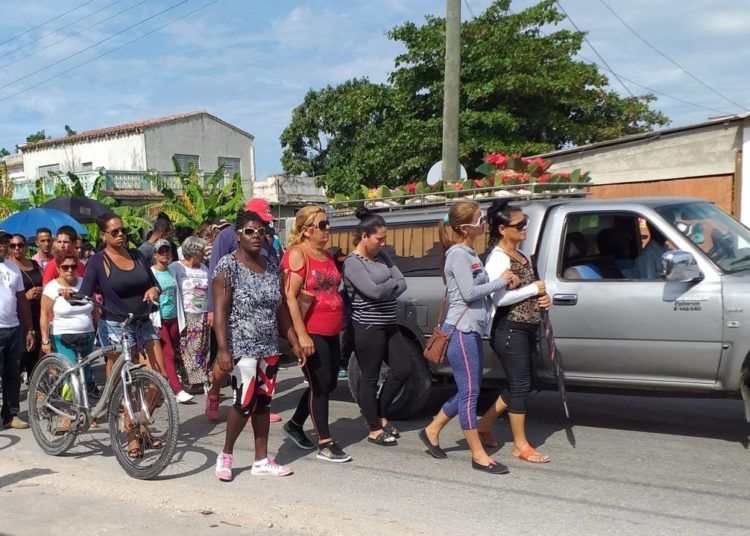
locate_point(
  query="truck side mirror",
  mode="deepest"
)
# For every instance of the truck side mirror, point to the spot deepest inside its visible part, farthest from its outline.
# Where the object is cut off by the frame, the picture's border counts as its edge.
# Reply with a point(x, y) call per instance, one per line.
point(680, 266)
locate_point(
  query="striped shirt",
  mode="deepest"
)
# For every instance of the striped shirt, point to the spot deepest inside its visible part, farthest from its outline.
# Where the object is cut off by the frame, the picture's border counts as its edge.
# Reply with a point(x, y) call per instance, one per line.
point(374, 286)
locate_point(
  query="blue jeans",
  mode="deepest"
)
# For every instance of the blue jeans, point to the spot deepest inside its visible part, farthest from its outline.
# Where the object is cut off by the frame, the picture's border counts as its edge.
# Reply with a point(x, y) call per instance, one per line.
point(464, 355)
point(12, 347)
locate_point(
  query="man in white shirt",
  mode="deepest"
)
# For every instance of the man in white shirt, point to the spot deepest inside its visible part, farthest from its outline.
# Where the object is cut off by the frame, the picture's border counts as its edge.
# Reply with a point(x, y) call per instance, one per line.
point(15, 336)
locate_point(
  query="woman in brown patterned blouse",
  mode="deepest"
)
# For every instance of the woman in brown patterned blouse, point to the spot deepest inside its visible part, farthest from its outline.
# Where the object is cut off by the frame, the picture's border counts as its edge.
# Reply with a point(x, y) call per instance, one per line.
point(515, 326)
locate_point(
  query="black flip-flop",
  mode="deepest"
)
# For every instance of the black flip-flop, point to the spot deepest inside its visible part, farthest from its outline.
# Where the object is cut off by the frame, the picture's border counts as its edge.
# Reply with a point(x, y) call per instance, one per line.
point(383, 440)
point(433, 450)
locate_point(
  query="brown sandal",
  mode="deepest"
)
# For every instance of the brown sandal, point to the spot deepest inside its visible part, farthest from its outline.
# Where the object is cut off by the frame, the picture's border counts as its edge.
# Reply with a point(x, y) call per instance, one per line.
point(531, 455)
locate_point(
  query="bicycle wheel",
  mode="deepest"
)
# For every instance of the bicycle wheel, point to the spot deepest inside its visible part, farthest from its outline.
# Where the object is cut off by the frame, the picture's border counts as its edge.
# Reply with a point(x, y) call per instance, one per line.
point(54, 434)
point(144, 446)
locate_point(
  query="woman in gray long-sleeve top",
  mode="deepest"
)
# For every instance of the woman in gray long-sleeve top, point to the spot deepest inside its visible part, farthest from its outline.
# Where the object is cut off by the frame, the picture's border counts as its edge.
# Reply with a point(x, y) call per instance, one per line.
point(469, 312)
point(375, 282)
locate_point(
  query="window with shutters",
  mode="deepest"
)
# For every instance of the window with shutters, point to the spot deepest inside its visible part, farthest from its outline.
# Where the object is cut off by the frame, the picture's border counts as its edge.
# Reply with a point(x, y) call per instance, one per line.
point(231, 165)
point(184, 160)
point(44, 171)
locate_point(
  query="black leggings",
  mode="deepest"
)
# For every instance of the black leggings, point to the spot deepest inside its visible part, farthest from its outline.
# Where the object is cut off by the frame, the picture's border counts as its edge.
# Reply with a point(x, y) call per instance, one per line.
point(513, 342)
point(321, 371)
point(375, 344)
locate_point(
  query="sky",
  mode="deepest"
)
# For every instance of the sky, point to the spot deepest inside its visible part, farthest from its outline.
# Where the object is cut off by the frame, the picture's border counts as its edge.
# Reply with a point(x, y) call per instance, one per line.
point(250, 62)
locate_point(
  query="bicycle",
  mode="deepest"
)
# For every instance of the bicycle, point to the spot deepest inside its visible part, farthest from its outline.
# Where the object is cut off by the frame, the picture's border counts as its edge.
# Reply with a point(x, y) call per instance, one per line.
point(142, 414)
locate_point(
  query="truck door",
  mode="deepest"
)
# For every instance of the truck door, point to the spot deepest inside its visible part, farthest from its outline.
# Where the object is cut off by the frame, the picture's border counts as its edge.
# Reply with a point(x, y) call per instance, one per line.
point(615, 319)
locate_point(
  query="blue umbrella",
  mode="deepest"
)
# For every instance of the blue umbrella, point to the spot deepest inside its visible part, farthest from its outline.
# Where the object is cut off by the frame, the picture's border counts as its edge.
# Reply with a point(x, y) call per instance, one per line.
point(26, 222)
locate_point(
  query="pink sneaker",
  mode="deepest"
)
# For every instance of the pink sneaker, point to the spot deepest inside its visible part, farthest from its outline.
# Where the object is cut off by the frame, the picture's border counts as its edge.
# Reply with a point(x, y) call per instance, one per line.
point(275, 417)
point(212, 407)
point(224, 467)
point(269, 467)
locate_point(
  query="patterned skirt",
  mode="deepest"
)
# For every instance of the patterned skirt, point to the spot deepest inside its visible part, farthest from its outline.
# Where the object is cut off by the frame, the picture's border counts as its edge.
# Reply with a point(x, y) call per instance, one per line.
point(194, 347)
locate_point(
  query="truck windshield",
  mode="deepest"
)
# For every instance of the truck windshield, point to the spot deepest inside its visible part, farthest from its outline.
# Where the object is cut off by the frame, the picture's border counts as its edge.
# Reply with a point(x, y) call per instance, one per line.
point(724, 240)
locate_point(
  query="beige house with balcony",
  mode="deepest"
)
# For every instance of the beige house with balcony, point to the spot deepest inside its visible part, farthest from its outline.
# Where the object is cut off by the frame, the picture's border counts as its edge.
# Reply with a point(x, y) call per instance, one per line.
point(127, 151)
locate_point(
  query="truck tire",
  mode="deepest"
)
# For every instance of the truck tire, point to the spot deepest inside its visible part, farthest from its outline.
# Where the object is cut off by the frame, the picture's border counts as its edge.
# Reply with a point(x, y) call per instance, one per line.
point(413, 395)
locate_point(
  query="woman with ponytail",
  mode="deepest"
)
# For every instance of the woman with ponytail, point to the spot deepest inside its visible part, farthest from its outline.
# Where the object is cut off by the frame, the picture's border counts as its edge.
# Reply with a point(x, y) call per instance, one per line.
point(375, 283)
point(468, 320)
point(308, 267)
point(515, 326)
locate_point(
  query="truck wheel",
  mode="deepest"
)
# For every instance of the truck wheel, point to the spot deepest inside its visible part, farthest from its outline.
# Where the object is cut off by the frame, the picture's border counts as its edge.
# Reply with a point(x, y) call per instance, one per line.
point(413, 395)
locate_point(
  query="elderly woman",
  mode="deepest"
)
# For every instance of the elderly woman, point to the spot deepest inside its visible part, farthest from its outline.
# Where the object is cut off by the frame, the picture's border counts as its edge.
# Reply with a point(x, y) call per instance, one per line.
point(191, 276)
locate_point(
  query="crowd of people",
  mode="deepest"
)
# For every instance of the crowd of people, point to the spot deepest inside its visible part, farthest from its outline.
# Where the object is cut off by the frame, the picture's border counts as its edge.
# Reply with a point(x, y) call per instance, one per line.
point(210, 308)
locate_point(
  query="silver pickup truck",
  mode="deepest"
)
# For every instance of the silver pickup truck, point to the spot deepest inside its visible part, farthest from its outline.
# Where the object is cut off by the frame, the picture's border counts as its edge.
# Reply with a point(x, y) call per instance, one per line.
point(648, 294)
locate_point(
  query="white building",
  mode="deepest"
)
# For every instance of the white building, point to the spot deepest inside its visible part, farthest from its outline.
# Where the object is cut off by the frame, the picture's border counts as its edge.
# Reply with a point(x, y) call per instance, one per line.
point(197, 137)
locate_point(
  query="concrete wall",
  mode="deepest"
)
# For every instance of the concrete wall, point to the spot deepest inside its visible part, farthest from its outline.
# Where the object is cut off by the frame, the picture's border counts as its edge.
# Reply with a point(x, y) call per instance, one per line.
point(205, 137)
point(125, 152)
point(285, 190)
point(705, 151)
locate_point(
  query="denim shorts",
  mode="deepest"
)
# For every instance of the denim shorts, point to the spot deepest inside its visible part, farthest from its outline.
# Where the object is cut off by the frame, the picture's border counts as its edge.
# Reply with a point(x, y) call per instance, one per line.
point(110, 332)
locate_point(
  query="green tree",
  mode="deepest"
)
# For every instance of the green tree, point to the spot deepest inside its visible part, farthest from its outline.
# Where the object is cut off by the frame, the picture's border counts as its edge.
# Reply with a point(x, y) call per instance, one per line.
point(39, 136)
point(69, 131)
point(521, 91)
point(4, 152)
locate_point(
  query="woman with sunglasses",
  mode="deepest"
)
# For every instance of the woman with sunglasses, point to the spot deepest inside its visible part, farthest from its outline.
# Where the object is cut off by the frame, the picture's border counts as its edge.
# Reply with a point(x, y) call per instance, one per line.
point(515, 326)
point(32, 286)
point(375, 283)
point(74, 326)
point(249, 315)
point(468, 319)
point(308, 267)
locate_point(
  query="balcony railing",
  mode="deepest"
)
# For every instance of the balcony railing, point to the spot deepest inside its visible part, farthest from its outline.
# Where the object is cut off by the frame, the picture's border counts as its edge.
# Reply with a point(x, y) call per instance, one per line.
point(130, 181)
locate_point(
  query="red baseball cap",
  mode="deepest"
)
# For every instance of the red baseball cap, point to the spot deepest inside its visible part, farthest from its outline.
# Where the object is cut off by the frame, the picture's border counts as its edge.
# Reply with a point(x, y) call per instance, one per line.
point(262, 208)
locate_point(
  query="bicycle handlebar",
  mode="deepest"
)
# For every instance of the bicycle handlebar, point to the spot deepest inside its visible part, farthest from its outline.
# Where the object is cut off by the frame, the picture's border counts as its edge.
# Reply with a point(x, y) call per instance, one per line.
point(78, 299)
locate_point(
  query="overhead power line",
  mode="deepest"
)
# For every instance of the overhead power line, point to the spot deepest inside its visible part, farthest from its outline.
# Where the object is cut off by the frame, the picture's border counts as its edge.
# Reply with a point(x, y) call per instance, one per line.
point(37, 51)
point(668, 58)
point(61, 15)
point(471, 11)
point(594, 49)
point(29, 88)
point(652, 90)
point(63, 27)
point(170, 8)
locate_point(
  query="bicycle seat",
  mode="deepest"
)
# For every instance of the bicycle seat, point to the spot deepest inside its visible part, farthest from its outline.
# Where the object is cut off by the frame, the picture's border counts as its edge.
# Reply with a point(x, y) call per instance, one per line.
point(77, 342)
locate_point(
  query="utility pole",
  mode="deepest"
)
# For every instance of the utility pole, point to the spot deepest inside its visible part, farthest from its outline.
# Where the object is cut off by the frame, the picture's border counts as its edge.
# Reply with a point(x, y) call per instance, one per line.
point(451, 88)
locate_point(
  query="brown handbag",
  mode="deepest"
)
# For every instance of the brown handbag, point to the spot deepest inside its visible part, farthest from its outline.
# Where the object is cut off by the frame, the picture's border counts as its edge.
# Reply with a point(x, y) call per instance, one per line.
point(437, 344)
point(305, 298)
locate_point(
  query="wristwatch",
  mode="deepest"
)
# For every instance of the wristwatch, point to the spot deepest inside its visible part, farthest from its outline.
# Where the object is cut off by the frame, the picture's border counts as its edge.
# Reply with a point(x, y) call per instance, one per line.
point(46, 341)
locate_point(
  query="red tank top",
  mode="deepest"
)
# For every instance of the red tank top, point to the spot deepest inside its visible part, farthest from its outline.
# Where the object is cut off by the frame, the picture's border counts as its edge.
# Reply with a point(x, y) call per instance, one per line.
point(326, 316)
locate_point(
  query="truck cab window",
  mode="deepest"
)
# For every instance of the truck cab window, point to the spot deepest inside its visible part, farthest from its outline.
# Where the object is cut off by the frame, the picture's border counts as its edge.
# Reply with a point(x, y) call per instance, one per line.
point(611, 247)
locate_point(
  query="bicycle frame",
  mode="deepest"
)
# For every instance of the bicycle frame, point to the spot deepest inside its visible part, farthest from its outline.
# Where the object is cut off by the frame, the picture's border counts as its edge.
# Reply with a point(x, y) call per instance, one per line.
point(121, 369)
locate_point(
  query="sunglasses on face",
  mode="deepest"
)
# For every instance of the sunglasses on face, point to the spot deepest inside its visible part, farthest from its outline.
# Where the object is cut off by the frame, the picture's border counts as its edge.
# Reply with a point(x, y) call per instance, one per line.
point(116, 232)
point(520, 226)
point(252, 231)
point(164, 250)
point(478, 223)
point(68, 267)
point(16, 245)
point(323, 225)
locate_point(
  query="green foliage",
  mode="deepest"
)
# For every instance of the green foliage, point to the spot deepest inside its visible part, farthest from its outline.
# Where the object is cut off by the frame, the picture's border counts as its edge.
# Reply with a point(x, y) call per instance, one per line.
point(69, 131)
point(39, 136)
point(521, 92)
point(4, 152)
point(200, 199)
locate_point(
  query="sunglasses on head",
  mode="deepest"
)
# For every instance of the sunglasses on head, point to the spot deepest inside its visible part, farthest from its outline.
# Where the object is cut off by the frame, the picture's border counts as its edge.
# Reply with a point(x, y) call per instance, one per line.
point(16, 245)
point(520, 226)
point(116, 232)
point(68, 267)
point(252, 231)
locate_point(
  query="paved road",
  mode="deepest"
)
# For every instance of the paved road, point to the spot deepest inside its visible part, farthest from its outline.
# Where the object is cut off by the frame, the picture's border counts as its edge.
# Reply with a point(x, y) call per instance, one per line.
point(628, 466)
